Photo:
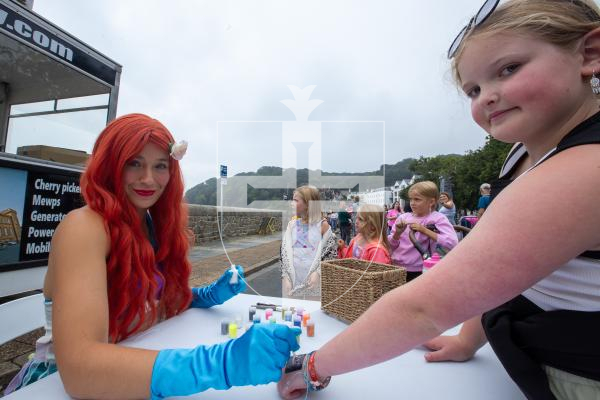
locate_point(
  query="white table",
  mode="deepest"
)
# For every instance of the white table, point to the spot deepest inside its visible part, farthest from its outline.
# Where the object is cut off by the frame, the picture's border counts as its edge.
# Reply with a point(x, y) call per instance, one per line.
point(405, 377)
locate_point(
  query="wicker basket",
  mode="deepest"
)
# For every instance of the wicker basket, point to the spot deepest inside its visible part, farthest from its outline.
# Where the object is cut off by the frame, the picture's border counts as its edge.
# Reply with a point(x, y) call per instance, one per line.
point(350, 286)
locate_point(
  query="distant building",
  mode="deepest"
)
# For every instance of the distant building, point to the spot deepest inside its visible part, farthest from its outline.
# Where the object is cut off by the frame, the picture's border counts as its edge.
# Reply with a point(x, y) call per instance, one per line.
point(399, 186)
point(380, 196)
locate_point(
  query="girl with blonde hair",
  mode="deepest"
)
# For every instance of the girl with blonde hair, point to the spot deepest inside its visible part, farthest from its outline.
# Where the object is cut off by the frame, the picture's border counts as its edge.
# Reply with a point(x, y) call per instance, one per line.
point(307, 241)
point(528, 68)
point(370, 243)
point(431, 229)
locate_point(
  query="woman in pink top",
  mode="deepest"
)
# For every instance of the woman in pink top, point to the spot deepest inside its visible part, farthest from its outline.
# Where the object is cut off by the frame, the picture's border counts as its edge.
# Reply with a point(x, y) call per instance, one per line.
point(423, 199)
point(391, 216)
point(370, 243)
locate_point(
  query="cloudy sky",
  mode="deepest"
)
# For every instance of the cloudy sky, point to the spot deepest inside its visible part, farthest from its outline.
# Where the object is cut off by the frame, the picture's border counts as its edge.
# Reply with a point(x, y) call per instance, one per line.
point(215, 72)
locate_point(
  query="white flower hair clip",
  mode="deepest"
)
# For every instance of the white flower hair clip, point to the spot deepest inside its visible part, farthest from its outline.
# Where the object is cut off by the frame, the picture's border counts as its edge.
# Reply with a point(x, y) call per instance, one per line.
point(177, 150)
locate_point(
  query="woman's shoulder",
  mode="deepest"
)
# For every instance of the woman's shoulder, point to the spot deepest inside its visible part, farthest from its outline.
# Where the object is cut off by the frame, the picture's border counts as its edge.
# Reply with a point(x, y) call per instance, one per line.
point(83, 216)
point(82, 224)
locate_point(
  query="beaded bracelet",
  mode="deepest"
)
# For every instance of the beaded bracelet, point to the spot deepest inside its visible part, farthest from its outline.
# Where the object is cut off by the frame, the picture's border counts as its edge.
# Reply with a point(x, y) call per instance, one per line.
point(310, 374)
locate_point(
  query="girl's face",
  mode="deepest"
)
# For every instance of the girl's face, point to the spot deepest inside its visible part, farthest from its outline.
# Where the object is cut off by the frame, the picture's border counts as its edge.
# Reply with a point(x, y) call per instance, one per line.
point(299, 205)
point(146, 176)
point(362, 226)
point(420, 204)
point(523, 89)
point(443, 198)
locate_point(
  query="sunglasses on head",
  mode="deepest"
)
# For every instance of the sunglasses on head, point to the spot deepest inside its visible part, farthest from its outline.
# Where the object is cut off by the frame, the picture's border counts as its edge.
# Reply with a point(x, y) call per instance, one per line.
point(484, 12)
point(487, 9)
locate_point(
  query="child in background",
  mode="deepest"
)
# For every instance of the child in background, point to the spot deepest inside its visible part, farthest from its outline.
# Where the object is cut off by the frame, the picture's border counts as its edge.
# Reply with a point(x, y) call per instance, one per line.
point(370, 243)
point(423, 199)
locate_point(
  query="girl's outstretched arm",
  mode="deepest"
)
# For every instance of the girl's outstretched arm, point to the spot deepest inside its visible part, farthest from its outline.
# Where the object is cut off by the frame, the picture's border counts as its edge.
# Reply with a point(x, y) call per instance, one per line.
point(494, 263)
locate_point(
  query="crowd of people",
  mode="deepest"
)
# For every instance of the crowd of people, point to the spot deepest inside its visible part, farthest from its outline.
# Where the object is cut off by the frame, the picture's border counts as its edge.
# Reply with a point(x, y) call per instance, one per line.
point(119, 265)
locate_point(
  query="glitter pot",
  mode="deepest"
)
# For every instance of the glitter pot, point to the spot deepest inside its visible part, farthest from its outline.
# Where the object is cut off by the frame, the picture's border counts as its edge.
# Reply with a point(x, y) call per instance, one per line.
point(288, 316)
point(233, 330)
point(268, 313)
point(224, 327)
point(310, 328)
point(251, 312)
point(256, 319)
point(305, 318)
point(297, 321)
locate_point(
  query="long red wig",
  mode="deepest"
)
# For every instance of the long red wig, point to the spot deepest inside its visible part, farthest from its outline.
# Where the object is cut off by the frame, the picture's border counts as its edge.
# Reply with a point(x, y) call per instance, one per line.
point(132, 265)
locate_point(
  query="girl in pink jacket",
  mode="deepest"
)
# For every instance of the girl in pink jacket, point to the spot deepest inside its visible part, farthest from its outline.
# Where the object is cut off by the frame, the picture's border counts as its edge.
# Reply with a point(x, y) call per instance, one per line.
point(423, 199)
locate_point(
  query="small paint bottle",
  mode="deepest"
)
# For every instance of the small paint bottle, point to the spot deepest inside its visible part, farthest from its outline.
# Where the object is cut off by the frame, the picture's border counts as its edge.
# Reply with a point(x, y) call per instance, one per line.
point(299, 311)
point(268, 313)
point(283, 310)
point(224, 327)
point(256, 319)
point(288, 316)
point(310, 328)
point(305, 318)
point(273, 319)
point(251, 312)
point(297, 321)
point(233, 330)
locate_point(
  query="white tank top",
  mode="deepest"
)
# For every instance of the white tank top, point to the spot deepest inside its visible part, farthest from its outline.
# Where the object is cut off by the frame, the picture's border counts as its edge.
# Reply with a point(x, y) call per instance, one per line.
point(575, 285)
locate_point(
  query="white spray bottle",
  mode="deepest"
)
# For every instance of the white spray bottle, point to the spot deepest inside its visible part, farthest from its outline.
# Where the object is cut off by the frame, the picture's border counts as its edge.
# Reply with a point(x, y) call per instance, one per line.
point(234, 275)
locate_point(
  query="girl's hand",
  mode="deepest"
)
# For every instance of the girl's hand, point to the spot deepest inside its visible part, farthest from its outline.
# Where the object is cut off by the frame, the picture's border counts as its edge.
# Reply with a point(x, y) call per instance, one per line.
point(448, 348)
point(341, 244)
point(417, 227)
point(400, 226)
point(291, 385)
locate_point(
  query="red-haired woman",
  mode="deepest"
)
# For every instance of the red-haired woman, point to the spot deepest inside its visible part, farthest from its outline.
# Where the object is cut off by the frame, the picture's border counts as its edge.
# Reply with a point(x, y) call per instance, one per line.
point(119, 265)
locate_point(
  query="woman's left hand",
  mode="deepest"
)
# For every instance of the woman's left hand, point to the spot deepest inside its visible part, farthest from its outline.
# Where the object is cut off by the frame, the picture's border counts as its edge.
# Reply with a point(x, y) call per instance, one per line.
point(219, 291)
point(292, 385)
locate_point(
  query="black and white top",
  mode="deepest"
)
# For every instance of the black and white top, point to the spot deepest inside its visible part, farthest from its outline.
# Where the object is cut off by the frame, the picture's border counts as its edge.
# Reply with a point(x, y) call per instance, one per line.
point(575, 285)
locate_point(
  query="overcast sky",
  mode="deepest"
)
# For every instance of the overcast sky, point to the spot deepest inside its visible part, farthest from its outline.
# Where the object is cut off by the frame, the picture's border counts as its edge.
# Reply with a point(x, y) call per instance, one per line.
point(192, 64)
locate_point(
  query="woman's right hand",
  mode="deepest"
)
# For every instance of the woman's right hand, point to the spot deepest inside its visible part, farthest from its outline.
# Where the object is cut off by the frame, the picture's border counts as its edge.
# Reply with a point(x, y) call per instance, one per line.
point(341, 244)
point(449, 348)
point(255, 358)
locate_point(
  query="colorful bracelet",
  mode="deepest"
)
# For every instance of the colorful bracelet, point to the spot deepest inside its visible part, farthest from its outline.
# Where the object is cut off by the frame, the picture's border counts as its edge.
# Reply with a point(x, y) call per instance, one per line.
point(310, 374)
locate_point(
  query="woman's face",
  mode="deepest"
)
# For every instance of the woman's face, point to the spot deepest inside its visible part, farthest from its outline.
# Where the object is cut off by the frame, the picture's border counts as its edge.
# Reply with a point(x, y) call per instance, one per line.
point(299, 205)
point(146, 176)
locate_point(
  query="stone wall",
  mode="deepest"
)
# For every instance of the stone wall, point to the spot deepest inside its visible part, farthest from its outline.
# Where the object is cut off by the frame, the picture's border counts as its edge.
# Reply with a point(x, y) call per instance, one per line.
point(236, 221)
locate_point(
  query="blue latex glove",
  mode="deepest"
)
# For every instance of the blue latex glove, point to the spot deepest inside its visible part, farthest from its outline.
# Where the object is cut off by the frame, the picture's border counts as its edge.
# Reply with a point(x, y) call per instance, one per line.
point(256, 358)
point(219, 291)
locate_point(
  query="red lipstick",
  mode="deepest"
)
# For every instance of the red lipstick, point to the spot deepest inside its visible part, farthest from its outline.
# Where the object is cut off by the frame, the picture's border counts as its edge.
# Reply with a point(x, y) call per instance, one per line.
point(144, 193)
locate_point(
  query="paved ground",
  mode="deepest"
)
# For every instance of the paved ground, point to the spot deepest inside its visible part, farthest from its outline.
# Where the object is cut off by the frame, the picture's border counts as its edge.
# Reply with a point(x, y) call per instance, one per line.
point(257, 254)
point(266, 282)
